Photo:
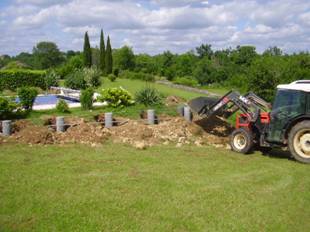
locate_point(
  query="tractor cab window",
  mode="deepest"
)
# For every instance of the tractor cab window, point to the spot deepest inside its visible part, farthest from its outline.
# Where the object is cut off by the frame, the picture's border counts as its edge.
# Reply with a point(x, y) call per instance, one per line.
point(288, 104)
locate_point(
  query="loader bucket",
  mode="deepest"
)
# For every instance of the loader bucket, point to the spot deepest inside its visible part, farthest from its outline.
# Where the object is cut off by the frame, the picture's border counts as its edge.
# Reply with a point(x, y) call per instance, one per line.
point(199, 103)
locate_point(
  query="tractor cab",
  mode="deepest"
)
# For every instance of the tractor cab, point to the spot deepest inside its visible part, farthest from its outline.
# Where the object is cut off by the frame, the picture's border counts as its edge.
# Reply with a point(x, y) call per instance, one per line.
point(291, 104)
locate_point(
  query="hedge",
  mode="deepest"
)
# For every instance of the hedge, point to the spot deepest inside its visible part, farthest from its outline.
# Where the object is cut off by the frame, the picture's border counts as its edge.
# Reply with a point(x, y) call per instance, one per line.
point(13, 79)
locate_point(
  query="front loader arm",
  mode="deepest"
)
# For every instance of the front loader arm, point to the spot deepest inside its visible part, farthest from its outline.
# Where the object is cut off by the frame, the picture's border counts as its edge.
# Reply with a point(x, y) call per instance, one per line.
point(229, 103)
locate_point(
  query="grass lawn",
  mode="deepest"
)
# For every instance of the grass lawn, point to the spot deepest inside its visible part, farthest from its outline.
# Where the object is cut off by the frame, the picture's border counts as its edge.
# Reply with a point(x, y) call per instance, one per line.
point(134, 85)
point(118, 188)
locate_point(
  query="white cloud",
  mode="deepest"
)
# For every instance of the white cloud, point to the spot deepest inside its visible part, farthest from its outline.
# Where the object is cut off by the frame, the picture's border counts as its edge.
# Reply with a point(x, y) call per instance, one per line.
point(157, 25)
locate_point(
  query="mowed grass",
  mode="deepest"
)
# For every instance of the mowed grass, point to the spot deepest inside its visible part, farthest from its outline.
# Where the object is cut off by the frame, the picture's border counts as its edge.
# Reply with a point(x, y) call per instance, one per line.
point(135, 85)
point(118, 188)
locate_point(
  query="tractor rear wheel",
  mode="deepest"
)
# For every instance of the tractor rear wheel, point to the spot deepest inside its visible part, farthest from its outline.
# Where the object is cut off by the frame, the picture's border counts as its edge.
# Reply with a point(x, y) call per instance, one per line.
point(299, 141)
point(241, 140)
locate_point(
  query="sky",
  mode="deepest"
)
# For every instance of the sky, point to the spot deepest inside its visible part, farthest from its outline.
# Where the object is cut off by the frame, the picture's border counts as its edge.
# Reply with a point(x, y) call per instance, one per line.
point(154, 26)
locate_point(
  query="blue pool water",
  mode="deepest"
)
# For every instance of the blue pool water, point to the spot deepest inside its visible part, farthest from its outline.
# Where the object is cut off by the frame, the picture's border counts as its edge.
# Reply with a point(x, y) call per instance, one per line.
point(50, 100)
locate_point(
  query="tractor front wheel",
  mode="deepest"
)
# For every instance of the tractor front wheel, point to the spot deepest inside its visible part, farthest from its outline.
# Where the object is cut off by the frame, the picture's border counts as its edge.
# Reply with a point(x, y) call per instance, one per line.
point(241, 140)
point(299, 141)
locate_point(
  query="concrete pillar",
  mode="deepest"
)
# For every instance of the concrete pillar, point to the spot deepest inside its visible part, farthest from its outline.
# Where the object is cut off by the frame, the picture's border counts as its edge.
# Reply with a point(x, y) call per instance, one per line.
point(180, 110)
point(6, 128)
point(187, 114)
point(151, 117)
point(60, 124)
point(108, 120)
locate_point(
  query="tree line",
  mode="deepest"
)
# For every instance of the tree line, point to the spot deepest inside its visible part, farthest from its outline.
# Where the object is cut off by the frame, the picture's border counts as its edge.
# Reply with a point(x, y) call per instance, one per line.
point(240, 68)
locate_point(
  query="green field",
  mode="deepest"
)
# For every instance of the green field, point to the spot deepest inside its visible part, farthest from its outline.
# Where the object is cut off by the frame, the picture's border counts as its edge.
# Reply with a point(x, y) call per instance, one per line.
point(134, 85)
point(118, 188)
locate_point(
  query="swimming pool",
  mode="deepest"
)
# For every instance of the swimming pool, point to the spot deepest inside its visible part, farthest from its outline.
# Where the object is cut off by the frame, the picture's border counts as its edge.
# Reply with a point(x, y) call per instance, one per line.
point(50, 99)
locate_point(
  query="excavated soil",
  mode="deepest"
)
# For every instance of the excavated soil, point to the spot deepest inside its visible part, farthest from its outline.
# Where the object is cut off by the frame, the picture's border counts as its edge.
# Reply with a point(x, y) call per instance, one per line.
point(170, 130)
point(174, 100)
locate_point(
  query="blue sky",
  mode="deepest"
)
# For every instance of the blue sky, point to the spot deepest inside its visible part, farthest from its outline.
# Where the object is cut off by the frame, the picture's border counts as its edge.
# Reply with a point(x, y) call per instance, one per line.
point(153, 26)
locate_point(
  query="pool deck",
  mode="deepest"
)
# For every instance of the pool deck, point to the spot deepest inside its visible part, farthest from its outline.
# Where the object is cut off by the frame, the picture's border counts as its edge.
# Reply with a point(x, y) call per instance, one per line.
point(71, 105)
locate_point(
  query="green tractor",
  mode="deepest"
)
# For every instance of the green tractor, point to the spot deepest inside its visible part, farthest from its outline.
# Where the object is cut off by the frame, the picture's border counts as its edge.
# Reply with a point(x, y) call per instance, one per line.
point(285, 124)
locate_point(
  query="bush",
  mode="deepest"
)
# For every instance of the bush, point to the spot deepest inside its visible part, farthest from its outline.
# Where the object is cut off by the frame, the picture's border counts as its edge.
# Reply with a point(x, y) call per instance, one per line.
point(112, 77)
point(7, 108)
point(51, 79)
point(86, 99)
point(116, 72)
point(76, 80)
point(27, 96)
point(75, 62)
point(137, 75)
point(148, 96)
point(188, 80)
point(92, 77)
point(116, 97)
point(13, 79)
point(62, 106)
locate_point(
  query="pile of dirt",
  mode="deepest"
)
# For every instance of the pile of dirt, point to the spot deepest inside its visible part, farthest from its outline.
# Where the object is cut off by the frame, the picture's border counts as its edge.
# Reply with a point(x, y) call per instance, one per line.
point(20, 125)
point(174, 100)
point(170, 130)
point(84, 133)
point(33, 134)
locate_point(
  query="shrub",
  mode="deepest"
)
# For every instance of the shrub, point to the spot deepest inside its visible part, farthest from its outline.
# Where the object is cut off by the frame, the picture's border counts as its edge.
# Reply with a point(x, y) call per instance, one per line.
point(62, 106)
point(112, 77)
point(76, 80)
point(51, 79)
point(148, 96)
point(27, 96)
point(116, 97)
point(13, 79)
point(75, 62)
point(7, 108)
point(137, 75)
point(189, 81)
point(92, 76)
point(86, 99)
point(116, 72)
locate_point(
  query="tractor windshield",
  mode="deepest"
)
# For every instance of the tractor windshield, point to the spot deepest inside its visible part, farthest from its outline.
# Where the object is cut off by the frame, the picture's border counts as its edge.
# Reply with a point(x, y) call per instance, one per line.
point(288, 103)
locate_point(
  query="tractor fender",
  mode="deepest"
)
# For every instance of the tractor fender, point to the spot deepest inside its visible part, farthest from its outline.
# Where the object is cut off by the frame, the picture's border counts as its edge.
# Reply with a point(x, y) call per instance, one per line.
point(292, 123)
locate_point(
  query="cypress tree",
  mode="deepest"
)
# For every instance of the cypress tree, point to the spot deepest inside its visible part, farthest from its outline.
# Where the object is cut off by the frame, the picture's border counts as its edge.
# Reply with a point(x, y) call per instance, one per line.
point(87, 52)
point(108, 58)
point(102, 53)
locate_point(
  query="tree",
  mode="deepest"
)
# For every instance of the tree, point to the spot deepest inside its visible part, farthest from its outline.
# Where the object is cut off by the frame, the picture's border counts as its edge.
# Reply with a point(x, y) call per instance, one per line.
point(47, 55)
point(108, 58)
point(87, 52)
point(203, 71)
point(204, 50)
point(102, 53)
point(244, 55)
point(26, 58)
point(273, 51)
point(124, 58)
point(265, 74)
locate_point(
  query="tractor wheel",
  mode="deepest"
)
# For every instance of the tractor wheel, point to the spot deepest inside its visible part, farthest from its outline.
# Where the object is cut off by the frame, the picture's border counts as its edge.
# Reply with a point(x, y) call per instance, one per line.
point(299, 141)
point(241, 141)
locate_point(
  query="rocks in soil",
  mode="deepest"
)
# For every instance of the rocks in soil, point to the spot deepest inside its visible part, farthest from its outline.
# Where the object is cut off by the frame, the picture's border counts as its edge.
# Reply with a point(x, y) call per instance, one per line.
point(34, 135)
point(170, 130)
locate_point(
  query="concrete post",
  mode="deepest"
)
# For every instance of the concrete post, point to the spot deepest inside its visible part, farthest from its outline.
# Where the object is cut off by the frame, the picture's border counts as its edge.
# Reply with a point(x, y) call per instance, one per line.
point(151, 117)
point(60, 124)
point(108, 120)
point(6, 127)
point(187, 114)
point(180, 110)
